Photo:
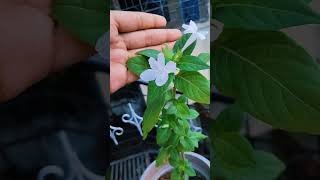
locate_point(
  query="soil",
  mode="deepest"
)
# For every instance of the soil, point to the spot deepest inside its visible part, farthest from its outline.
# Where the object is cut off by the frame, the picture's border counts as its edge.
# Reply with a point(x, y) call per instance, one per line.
point(167, 177)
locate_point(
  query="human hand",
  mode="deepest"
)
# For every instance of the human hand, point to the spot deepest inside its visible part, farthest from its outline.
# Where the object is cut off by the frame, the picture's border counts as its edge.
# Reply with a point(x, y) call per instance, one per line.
point(32, 45)
point(131, 32)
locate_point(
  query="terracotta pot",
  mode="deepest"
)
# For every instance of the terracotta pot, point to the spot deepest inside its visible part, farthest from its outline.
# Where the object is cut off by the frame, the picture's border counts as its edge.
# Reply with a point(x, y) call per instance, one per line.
point(199, 163)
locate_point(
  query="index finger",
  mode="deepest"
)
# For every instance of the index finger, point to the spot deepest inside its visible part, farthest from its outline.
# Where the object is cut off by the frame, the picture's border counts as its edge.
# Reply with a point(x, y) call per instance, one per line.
point(129, 21)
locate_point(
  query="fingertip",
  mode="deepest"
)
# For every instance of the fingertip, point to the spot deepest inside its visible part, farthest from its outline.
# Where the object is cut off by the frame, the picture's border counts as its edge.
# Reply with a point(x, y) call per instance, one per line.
point(176, 33)
point(161, 21)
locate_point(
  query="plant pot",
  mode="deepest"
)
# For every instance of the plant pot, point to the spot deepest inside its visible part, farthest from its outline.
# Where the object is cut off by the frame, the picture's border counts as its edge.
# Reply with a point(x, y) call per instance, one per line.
point(199, 163)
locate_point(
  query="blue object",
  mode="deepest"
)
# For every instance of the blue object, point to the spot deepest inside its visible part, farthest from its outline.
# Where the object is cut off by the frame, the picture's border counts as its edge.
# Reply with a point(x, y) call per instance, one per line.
point(190, 10)
point(159, 7)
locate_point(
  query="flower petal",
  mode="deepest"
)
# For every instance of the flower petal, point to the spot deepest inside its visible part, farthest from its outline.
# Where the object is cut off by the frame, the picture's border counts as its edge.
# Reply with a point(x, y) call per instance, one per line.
point(202, 35)
point(186, 27)
point(162, 78)
point(171, 67)
point(101, 45)
point(161, 60)
point(193, 25)
point(148, 75)
point(191, 39)
point(153, 64)
point(188, 31)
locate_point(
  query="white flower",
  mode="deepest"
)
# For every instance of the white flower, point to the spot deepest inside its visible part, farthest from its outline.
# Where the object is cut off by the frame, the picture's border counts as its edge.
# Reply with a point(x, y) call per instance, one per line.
point(101, 45)
point(159, 70)
point(195, 34)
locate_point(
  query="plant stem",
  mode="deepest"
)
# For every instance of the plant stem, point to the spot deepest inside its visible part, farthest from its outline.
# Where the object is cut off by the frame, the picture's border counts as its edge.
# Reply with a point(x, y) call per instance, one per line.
point(181, 153)
point(182, 157)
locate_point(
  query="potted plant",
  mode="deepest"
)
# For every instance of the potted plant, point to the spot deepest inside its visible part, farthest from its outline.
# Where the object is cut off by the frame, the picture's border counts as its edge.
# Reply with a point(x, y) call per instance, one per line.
point(200, 164)
point(168, 72)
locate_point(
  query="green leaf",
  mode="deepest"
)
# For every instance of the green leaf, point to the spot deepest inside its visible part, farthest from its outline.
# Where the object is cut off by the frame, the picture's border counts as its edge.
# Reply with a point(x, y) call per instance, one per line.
point(193, 114)
point(307, 1)
point(279, 83)
point(189, 170)
point(156, 100)
point(191, 63)
point(149, 53)
point(163, 135)
point(267, 167)
point(181, 42)
point(190, 140)
point(86, 19)
point(204, 57)
point(229, 120)
point(162, 156)
point(232, 150)
point(264, 14)
point(182, 99)
point(155, 91)
point(175, 175)
point(183, 110)
point(138, 64)
point(194, 85)
point(180, 127)
point(168, 53)
point(195, 137)
point(174, 157)
point(151, 116)
point(172, 109)
point(180, 108)
point(187, 143)
point(174, 138)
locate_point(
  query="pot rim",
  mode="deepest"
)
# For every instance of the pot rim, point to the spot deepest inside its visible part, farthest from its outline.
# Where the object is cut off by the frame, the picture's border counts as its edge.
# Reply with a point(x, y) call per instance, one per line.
point(191, 156)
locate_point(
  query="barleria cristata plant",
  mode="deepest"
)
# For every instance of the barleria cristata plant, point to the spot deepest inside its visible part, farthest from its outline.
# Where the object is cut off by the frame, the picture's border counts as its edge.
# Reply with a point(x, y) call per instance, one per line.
point(168, 72)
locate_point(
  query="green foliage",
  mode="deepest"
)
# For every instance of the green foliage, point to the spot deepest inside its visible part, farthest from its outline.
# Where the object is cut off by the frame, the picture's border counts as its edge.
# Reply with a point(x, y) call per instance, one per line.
point(231, 149)
point(270, 76)
point(155, 103)
point(181, 42)
point(204, 57)
point(194, 85)
point(149, 53)
point(192, 63)
point(278, 83)
point(168, 53)
point(233, 158)
point(264, 15)
point(230, 120)
point(86, 19)
point(267, 167)
point(138, 64)
point(170, 113)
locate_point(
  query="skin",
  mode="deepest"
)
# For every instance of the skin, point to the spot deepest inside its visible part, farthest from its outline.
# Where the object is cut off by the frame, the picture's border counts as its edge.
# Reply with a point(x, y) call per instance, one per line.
point(32, 46)
point(130, 35)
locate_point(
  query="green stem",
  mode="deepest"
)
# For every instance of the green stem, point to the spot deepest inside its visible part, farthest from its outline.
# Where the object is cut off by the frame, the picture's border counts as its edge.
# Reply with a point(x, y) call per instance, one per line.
point(182, 173)
point(181, 152)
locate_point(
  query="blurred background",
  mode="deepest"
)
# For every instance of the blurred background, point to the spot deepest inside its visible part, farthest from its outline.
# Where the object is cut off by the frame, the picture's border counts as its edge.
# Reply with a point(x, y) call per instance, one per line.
point(300, 152)
point(55, 130)
point(131, 155)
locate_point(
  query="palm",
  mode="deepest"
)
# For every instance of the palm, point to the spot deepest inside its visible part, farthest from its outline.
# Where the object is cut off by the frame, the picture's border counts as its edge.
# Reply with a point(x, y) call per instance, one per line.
point(130, 35)
point(32, 45)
